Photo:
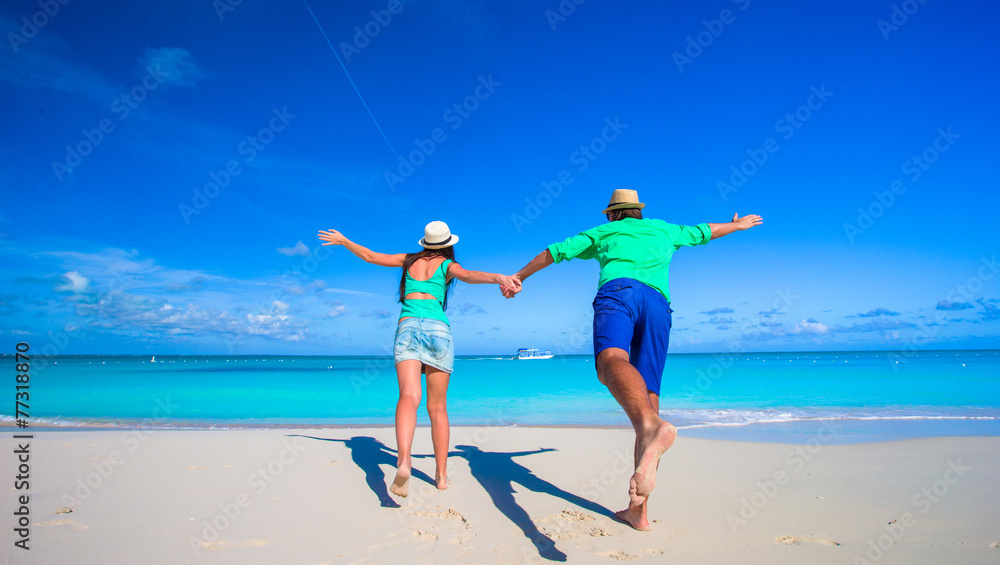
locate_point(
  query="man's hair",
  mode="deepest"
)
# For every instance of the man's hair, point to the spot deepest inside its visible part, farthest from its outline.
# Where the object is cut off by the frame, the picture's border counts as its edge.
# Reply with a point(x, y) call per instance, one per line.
point(615, 215)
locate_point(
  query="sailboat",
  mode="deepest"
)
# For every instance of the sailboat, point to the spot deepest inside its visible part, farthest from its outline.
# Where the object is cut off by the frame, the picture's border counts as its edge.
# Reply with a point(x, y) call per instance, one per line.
point(153, 360)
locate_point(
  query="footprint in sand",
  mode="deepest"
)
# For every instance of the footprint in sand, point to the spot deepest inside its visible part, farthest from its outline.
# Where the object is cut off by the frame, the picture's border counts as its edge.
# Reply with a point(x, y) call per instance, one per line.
point(461, 540)
point(72, 525)
point(576, 516)
point(450, 514)
point(454, 520)
point(792, 540)
point(620, 555)
point(569, 524)
point(221, 544)
point(425, 536)
point(567, 516)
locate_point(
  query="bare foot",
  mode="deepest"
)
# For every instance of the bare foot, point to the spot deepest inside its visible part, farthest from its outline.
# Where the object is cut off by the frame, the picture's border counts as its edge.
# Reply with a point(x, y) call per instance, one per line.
point(653, 446)
point(442, 482)
point(401, 484)
point(634, 517)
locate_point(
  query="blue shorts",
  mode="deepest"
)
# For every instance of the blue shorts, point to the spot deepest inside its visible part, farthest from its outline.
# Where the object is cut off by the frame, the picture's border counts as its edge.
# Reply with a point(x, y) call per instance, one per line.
point(635, 317)
point(426, 340)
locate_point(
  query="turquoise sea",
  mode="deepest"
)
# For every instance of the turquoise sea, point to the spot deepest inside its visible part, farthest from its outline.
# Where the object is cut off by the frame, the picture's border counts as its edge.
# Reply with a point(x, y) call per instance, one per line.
point(703, 393)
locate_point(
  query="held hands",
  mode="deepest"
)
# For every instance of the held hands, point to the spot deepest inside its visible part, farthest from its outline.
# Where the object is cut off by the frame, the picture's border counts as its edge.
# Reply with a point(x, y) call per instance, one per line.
point(332, 237)
point(509, 285)
point(509, 291)
point(747, 222)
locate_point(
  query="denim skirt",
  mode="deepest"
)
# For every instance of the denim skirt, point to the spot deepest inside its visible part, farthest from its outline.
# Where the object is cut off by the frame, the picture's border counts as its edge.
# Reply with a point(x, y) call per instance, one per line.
point(427, 340)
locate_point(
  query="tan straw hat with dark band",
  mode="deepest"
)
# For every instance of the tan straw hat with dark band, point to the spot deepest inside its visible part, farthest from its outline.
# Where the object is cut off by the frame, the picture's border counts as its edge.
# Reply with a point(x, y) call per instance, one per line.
point(624, 198)
point(438, 236)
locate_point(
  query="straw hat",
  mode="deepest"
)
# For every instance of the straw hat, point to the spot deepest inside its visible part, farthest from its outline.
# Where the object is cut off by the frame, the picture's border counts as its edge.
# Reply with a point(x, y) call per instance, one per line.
point(624, 198)
point(438, 236)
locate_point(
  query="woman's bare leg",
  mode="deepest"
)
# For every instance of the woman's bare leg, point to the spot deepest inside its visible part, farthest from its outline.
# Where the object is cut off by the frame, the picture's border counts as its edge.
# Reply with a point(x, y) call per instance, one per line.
point(437, 409)
point(408, 375)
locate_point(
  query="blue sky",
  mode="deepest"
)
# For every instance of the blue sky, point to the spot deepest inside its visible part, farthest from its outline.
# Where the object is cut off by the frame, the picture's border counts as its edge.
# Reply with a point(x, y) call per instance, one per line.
point(121, 116)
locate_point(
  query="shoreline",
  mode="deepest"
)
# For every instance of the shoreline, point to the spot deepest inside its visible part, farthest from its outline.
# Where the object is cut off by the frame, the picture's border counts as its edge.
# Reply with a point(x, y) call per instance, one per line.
point(507, 355)
point(846, 431)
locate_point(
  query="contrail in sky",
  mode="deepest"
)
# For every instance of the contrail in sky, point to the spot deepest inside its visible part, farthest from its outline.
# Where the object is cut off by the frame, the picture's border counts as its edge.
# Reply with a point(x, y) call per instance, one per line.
point(349, 78)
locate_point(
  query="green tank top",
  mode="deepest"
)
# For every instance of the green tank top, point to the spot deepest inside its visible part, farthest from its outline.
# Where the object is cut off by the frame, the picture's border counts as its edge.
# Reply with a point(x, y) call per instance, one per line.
point(434, 286)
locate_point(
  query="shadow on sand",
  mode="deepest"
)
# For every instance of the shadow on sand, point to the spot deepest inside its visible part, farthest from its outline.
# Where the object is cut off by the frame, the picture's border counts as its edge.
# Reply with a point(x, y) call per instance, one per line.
point(368, 453)
point(497, 472)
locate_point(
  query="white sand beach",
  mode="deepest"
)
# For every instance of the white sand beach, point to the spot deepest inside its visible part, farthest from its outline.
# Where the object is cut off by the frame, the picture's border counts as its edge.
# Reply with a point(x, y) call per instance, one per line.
point(518, 495)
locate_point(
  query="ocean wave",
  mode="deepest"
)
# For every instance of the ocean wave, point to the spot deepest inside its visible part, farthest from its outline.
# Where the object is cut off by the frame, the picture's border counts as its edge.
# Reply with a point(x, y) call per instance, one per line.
point(484, 358)
point(691, 419)
point(682, 419)
point(11, 421)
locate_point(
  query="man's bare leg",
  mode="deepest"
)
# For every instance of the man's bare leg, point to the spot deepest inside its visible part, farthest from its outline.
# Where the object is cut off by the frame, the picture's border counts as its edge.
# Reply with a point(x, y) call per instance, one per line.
point(653, 435)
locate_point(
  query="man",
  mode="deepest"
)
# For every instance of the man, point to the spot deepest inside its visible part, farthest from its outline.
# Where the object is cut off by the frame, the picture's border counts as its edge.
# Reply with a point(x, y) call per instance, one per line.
point(632, 319)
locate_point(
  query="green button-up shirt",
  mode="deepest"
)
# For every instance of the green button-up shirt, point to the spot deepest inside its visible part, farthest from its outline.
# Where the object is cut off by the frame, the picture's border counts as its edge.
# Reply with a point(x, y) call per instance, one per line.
point(636, 249)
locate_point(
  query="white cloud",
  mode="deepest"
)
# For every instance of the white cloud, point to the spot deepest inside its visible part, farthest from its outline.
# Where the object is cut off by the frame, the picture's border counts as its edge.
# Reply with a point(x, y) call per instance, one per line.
point(469, 308)
point(809, 327)
point(279, 326)
point(380, 313)
point(299, 249)
point(124, 293)
point(75, 283)
point(175, 64)
point(118, 291)
point(153, 317)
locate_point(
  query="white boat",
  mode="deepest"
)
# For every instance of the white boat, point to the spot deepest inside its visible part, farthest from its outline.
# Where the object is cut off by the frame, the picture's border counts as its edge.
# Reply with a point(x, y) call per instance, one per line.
point(153, 360)
point(524, 353)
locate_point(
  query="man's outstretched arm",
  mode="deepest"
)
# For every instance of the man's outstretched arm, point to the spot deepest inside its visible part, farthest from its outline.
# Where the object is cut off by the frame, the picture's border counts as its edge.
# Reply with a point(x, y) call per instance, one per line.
point(738, 224)
point(542, 260)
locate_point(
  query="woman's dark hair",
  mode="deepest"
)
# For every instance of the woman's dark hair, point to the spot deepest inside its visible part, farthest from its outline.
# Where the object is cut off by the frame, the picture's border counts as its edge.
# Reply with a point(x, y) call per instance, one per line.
point(621, 214)
point(411, 258)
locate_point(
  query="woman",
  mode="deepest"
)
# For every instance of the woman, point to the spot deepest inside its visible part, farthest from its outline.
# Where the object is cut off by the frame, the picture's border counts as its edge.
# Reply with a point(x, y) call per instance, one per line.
point(423, 337)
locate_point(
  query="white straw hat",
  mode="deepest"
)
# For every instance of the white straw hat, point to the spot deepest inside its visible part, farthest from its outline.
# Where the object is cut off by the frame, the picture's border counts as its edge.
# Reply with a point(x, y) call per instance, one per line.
point(624, 198)
point(438, 236)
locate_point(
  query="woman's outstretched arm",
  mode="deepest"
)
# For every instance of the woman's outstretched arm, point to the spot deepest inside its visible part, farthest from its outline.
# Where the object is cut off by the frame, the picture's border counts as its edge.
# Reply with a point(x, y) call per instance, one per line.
point(334, 237)
point(480, 277)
